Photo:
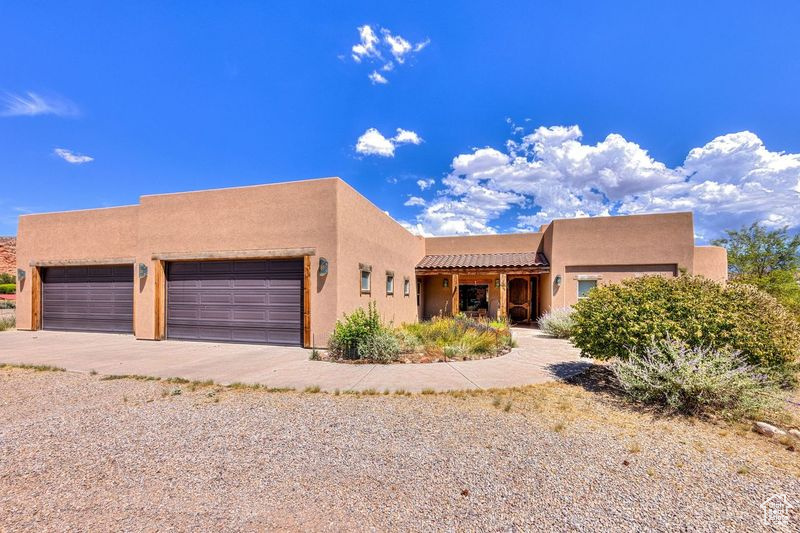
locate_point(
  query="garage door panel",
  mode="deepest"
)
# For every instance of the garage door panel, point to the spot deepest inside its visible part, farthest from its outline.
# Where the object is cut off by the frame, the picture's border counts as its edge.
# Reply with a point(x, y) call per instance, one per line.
point(236, 301)
point(88, 298)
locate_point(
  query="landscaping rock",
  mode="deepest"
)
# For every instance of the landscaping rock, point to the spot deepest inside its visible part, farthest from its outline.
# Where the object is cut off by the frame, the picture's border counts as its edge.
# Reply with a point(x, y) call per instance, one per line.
point(795, 433)
point(768, 429)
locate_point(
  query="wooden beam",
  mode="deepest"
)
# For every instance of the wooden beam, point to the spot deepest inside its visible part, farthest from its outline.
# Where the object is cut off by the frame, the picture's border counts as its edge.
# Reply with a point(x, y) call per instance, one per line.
point(454, 285)
point(36, 298)
point(274, 253)
point(480, 271)
point(502, 312)
point(307, 302)
point(160, 290)
point(83, 262)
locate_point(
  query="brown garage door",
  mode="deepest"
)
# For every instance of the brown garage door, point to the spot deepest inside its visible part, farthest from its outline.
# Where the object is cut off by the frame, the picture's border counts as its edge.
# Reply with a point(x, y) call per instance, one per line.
point(236, 301)
point(88, 298)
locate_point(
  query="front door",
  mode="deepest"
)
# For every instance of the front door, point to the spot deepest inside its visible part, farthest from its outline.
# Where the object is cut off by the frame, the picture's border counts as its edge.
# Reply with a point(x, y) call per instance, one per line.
point(519, 301)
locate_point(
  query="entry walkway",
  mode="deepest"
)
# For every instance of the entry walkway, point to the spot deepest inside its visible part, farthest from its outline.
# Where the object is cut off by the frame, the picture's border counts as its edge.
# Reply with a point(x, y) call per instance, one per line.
point(538, 359)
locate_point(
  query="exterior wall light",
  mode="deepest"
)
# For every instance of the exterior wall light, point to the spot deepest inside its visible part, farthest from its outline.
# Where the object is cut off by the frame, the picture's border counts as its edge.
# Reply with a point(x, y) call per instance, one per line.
point(558, 280)
point(445, 283)
point(142, 271)
point(323, 267)
point(20, 274)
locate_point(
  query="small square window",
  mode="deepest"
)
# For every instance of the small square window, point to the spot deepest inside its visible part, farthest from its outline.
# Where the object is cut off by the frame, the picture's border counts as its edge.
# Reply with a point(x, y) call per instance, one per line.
point(419, 291)
point(584, 286)
point(365, 281)
point(389, 283)
point(406, 287)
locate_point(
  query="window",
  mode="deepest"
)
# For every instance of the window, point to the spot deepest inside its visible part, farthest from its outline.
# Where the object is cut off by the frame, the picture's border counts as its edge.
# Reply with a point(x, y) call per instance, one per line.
point(584, 286)
point(406, 286)
point(366, 278)
point(419, 291)
point(473, 299)
point(389, 283)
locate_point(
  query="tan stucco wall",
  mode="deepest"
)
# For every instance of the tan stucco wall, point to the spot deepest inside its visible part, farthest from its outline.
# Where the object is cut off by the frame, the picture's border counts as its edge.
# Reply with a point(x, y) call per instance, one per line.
point(711, 262)
point(625, 245)
point(483, 244)
point(74, 235)
point(368, 235)
point(285, 215)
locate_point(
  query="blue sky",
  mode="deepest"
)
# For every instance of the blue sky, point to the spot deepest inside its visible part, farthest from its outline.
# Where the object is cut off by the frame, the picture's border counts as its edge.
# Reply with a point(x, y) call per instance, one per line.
point(492, 117)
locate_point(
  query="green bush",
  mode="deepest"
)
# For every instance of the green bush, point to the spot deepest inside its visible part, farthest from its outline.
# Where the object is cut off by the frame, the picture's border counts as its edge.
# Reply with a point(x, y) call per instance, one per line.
point(8, 288)
point(7, 278)
point(354, 329)
point(557, 322)
point(8, 322)
point(697, 380)
point(382, 347)
point(620, 319)
point(459, 336)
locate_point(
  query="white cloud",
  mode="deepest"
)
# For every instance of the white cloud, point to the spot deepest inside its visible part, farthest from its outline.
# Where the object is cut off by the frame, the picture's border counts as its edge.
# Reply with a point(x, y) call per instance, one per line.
point(71, 157)
point(551, 173)
point(373, 142)
point(373, 49)
point(406, 136)
point(414, 201)
point(425, 184)
point(376, 78)
point(32, 104)
point(366, 47)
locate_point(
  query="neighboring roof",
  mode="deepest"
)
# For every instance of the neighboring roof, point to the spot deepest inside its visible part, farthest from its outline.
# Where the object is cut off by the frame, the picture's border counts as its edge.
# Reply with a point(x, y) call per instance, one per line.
point(499, 260)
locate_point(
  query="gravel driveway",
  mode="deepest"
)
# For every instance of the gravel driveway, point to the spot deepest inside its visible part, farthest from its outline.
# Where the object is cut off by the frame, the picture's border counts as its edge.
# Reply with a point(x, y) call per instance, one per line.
point(82, 453)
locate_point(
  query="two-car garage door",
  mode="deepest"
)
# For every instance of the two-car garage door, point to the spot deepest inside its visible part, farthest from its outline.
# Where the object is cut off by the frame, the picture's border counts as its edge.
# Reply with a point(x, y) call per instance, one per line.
point(236, 301)
point(230, 301)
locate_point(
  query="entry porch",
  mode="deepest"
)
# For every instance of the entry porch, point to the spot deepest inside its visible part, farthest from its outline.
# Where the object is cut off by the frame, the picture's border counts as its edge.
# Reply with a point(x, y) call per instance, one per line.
point(494, 286)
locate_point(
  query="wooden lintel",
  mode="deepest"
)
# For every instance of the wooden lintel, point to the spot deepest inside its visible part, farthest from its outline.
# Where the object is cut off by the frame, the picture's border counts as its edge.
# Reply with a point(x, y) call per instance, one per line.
point(83, 262)
point(479, 271)
point(275, 253)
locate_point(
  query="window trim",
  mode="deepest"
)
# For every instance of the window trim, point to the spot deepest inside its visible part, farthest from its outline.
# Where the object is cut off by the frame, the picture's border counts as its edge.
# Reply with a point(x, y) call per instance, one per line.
point(365, 269)
point(389, 277)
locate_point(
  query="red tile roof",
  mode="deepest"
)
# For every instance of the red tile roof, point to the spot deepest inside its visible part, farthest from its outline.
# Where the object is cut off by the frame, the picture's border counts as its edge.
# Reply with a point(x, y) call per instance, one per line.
point(501, 260)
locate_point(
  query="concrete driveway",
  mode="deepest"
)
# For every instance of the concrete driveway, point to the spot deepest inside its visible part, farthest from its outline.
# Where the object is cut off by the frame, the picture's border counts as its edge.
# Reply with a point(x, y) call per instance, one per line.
point(538, 359)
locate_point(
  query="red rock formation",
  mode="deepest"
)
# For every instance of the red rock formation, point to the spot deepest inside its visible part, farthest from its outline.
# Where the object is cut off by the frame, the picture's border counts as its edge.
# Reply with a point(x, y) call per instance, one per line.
point(8, 255)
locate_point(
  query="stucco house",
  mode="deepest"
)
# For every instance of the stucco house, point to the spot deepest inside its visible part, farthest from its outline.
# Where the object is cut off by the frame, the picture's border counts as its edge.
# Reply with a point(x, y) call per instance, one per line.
point(278, 264)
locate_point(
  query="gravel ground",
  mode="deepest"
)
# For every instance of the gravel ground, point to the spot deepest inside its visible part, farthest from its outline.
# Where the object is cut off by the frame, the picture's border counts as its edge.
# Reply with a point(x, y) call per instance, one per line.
point(80, 453)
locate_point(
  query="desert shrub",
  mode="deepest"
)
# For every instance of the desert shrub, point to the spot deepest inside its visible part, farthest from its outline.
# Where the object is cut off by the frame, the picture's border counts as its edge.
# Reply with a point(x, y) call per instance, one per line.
point(382, 346)
point(621, 319)
point(352, 330)
point(8, 304)
point(8, 322)
point(696, 380)
point(459, 336)
point(7, 278)
point(557, 322)
point(8, 288)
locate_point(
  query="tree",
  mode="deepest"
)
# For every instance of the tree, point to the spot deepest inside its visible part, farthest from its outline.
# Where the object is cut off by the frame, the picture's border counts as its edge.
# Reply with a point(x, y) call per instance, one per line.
point(756, 251)
point(768, 259)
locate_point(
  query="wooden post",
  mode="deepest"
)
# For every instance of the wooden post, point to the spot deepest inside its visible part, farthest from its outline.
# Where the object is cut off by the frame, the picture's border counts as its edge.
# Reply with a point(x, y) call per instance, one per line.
point(454, 285)
point(502, 312)
point(36, 298)
point(160, 289)
point(307, 302)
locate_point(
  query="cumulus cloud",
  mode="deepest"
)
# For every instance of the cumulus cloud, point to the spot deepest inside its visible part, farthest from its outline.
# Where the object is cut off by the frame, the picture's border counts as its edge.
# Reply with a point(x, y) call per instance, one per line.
point(373, 142)
point(71, 157)
point(414, 201)
point(550, 173)
point(425, 184)
point(377, 79)
point(32, 104)
point(388, 50)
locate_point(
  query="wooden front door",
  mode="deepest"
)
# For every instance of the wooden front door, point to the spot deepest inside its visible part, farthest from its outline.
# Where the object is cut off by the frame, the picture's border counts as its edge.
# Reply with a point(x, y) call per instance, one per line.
point(519, 301)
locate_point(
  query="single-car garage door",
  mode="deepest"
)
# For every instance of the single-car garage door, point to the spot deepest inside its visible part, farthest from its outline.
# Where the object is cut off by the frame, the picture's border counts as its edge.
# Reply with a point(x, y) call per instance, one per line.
point(88, 298)
point(236, 301)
